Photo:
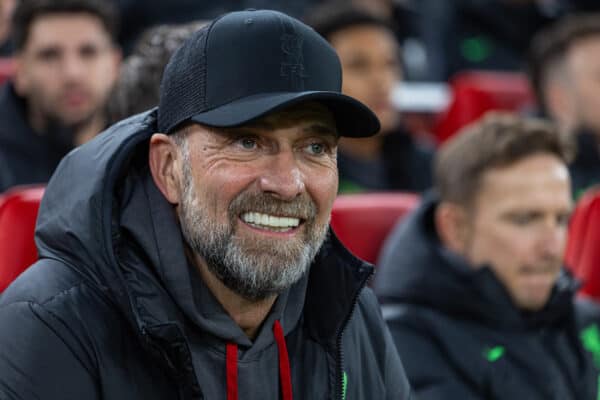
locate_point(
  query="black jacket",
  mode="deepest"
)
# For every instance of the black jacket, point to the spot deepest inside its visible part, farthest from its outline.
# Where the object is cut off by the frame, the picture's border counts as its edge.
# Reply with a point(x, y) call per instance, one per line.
point(25, 156)
point(460, 336)
point(585, 168)
point(113, 310)
point(405, 164)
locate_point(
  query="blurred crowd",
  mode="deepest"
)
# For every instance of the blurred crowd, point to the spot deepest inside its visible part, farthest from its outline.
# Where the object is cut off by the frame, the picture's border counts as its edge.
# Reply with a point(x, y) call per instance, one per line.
point(60, 96)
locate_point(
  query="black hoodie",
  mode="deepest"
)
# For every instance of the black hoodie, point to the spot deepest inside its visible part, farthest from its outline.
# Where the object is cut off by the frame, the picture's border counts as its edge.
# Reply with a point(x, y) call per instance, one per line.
point(460, 336)
point(25, 156)
point(113, 310)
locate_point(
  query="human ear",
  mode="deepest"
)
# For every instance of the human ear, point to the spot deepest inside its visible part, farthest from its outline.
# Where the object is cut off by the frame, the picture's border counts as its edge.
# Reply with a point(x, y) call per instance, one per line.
point(452, 227)
point(164, 159)
point(19, 79)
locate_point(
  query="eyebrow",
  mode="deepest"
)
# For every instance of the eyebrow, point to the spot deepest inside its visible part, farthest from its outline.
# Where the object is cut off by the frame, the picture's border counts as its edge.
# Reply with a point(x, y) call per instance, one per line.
point(321, 129)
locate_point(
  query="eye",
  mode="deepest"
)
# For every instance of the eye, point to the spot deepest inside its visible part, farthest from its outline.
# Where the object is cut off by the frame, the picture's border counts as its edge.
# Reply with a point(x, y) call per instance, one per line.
point(522, 219)
point(49, 55)
point(316, 148)
point(89, 51)
point(563, 219)
point(247, 143)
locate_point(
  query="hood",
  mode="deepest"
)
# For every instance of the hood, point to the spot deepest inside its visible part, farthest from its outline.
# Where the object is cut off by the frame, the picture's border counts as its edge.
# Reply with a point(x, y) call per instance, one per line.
point(77, 220)
point(415, 268)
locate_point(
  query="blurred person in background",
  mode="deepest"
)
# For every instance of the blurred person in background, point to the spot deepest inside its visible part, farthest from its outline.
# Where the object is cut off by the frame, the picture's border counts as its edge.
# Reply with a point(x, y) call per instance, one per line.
point(472, 283)
point(138, 86)
point(564, 72)
point(6, 10)
point(144, 14)
point(372, 66)
point(463, 35)
point(66, 65)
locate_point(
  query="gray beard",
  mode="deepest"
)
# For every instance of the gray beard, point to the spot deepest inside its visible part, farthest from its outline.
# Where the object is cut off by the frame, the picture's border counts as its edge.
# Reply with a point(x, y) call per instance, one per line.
point(254, 269)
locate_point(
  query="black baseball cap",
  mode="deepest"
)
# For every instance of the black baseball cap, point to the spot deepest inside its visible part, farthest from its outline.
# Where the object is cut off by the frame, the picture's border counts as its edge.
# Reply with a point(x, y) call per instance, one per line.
point(247, 64)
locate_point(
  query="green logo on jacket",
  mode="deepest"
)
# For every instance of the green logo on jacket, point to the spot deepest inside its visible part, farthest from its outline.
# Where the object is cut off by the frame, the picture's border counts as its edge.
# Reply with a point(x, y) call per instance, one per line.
point(493, 354)
point(590, 339)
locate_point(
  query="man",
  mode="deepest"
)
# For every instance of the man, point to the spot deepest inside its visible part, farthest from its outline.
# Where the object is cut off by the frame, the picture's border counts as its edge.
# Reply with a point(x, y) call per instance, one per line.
point(197, 262)
point(66, 65)
point(565, 60)
point(472, 284)
point(370, 56)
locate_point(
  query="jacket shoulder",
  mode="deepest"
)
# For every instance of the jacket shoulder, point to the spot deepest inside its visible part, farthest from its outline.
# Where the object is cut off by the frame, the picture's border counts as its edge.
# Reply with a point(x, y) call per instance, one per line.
point(428, 344)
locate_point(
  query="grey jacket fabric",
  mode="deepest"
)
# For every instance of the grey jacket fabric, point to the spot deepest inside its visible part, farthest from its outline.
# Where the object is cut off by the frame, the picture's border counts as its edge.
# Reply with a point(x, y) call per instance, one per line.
point(113, 310)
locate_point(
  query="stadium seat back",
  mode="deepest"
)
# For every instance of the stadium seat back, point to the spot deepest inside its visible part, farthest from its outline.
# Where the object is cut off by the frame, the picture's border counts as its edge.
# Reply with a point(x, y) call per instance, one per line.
point(363, 221)
point(582, 254)
point(18, 213)
point(476, 92)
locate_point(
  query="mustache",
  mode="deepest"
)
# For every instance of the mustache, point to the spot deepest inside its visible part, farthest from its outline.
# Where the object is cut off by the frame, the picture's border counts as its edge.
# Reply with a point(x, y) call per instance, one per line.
point(302, 207)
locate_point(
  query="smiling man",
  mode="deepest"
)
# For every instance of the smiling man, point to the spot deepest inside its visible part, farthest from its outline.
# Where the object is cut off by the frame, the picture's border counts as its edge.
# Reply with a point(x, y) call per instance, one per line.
point(475, 296)
point(195, 258)
point(66, 62)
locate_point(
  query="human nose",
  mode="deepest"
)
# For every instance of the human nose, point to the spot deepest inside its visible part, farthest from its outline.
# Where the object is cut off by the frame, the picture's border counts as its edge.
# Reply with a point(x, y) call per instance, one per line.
point(282, 177)
point(73, 66)
point(553, 239)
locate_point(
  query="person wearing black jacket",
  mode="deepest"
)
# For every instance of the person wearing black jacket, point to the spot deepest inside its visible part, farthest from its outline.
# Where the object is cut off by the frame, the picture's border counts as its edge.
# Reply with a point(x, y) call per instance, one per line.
point(563, 64)
point(394, 159)
point(471, 283)
point(66, 63)
point(186, 253)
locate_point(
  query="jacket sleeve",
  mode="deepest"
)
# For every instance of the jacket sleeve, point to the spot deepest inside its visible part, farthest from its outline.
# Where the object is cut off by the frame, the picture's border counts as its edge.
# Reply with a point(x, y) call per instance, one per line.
point(36, 360)
point(429, 373)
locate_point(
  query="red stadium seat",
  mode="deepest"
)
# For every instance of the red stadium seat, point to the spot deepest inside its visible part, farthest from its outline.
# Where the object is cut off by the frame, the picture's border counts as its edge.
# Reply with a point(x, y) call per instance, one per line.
point(18, 212)
point(476, 92)
point(363, 221)
point(7, 69)
point(583, 250)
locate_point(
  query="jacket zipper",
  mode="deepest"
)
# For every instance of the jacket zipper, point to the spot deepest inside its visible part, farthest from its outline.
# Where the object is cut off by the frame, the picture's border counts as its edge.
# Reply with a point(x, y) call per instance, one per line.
point(340, 352)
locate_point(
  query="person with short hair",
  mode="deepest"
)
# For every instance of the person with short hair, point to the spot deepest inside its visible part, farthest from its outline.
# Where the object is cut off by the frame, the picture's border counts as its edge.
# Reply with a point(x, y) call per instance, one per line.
point(472, 283)
point(563, 69)
point(371, 60)
point(195, 259)
point(67, 62)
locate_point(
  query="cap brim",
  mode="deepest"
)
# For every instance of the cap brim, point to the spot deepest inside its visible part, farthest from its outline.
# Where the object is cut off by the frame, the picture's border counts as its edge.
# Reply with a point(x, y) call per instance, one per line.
point(353, 118)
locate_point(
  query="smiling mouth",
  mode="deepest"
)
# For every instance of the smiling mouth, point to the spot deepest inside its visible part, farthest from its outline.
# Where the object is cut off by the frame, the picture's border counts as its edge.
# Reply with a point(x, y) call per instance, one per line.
point(270, 222)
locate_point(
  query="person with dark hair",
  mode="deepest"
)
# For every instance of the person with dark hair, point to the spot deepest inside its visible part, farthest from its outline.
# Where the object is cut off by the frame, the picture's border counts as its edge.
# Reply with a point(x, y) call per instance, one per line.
point(137, 88)
point(66, 65)
point(195, 259)
point(370, 55)
point(471, 283)
point(563, 69)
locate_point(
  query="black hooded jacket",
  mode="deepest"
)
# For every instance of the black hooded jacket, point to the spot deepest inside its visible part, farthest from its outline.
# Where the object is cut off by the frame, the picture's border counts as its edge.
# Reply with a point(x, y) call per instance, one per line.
point(460, 336)
point(25, 156)
point(113, 310)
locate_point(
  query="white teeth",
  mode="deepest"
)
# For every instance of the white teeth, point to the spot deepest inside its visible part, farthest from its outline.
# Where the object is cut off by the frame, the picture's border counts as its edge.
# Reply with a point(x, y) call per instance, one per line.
point(270, 220)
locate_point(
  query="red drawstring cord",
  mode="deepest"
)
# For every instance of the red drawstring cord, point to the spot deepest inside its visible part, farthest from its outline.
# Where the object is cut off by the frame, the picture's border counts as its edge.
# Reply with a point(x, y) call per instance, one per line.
point(285, 376)
point(231, 362)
